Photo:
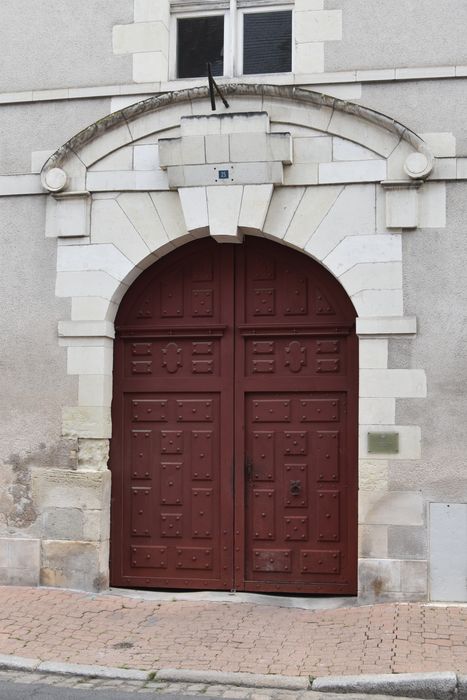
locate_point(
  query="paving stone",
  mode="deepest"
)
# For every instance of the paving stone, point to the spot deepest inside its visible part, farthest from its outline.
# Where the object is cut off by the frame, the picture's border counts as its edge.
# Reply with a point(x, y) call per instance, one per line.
point(61, 626)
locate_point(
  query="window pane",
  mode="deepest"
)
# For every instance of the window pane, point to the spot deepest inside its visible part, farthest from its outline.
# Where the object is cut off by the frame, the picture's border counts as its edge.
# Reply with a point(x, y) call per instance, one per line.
point(200, 40)
point(267, 42)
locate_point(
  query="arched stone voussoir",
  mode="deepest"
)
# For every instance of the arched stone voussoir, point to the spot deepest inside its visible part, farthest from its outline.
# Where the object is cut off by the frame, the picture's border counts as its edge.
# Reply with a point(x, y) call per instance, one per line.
point(285, 104)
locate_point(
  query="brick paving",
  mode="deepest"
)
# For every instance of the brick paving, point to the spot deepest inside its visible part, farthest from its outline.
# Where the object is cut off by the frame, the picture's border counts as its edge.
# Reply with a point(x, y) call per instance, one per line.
point(58, 625)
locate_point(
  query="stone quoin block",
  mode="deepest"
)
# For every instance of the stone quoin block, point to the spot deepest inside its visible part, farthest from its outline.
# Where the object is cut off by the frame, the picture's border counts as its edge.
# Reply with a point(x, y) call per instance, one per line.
point(86, 422)
point(110, 224)
point(98, 257)
point(373, 541)
point(377, 411)
point(284, 203)
point(122, 159)
point(399, 383)
point(309, 57)
point(373, 353)
point(352, 214)
point(150, 11)
point(401, 207)
point(391, 508)
point(141, 37)
point(68, 215)
point(146, 157)
point(320, 25)
point(354, 250)
point(379, 578)
point(312, 149)
point(74, 564)
point(53, 488)
point(354, 171)
point(254, 207)
point(195, 207)
point(384, 302)
point(373, 475)
point(385, 275)
point(223, 212)
point(94, 390)
point(406, 325)
point(373, 136)
point(89, 308)
point(312, 209)
point(140, 210)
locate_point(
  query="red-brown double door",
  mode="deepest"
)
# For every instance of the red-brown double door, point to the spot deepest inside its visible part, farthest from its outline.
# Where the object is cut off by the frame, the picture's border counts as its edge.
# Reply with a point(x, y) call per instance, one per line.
point(233, 451)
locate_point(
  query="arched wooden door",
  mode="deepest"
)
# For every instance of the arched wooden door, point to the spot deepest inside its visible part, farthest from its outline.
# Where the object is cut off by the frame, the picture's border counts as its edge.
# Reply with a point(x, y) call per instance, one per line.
point(234, 445)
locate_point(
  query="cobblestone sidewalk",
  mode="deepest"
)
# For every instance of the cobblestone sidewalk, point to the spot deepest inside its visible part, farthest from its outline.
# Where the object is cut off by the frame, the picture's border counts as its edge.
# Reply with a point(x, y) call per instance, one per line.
point(110, 630)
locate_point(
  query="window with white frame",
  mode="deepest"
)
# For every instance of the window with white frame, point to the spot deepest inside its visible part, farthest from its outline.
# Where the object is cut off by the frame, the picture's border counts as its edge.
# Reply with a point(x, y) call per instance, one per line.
point(237, 37)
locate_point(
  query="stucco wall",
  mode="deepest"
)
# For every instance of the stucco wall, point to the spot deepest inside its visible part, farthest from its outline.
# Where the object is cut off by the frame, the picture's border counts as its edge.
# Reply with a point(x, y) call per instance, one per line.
point(392, 33)
point(68, 45)
point(435, 290)
point(425, 106)
point(42, 126)
point(33, 367)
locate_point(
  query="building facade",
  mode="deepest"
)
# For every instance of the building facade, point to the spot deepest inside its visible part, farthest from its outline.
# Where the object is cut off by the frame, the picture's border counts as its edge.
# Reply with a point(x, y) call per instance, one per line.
point(233, 340)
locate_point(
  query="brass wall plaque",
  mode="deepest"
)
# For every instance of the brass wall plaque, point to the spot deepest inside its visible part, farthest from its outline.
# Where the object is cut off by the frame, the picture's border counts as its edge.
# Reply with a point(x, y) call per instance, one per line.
point(387, 443)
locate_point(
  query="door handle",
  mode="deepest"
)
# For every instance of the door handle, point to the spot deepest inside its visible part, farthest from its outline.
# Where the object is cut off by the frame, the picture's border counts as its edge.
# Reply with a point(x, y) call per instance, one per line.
point(295, 487)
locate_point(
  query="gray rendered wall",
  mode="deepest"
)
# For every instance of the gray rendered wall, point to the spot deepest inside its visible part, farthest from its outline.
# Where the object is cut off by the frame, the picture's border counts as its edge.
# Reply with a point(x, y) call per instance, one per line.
point(38, 126)
point(398, 33)
point(435, 291)
point(424, 106)
point(61, 43)
point(33, 367)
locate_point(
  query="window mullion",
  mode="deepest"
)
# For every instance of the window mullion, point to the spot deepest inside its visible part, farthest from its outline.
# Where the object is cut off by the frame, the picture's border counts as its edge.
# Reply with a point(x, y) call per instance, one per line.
point(231, 41)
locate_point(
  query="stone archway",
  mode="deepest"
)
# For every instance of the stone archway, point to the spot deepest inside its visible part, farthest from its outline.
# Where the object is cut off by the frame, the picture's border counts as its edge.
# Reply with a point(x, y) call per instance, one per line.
point(346, 214)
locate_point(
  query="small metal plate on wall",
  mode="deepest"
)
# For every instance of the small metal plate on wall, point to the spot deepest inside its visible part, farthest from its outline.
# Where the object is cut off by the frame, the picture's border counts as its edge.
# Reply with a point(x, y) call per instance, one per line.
point(387, 443)
point(224, 173)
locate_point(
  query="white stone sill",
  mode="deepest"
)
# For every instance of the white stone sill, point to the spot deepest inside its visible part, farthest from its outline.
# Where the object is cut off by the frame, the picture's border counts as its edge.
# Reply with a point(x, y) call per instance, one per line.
point(304, 80)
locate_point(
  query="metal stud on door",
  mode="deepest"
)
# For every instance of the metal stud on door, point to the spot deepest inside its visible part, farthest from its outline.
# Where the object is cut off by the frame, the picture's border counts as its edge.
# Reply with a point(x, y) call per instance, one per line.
point(296, 377)
point(173, 424)
point(234, 424)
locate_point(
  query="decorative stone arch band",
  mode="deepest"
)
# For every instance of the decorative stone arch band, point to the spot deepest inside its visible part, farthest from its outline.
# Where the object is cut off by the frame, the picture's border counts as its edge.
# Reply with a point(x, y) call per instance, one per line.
point(322, 109)
point(303, 169)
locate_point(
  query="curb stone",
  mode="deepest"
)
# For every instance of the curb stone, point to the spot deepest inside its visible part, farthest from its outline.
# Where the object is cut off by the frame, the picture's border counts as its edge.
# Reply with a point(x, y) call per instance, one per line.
point(248, 680)
point(461, 687)
point(22, 663)
point(121, 674)
point(429, 686)
point(432, 686)
point(18, 663)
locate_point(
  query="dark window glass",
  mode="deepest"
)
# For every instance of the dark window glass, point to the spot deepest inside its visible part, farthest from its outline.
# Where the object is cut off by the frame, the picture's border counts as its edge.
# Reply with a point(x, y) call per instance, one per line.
point(267, 42)
point(200, 40)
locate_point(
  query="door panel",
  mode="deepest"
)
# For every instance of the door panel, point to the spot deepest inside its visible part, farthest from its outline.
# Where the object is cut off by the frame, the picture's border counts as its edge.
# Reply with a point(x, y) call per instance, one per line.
point(296, 451)
point(172, 477)
point(234, 424)
point(297, 515)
